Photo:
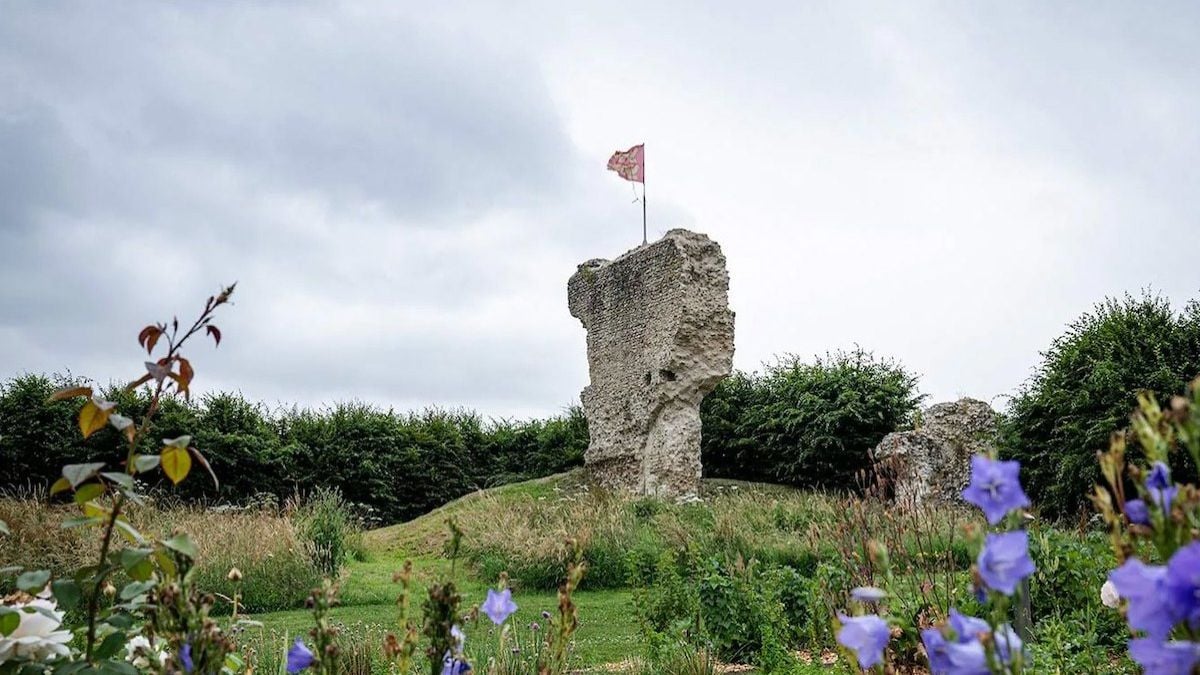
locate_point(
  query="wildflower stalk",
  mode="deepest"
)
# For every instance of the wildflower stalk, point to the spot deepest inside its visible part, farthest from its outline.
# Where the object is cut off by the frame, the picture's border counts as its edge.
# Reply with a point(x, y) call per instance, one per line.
point(174, 346)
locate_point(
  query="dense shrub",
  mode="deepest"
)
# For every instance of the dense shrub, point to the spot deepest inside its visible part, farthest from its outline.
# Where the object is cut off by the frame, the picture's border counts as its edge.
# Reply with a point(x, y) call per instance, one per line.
point(1085, 387)
point(806, 423)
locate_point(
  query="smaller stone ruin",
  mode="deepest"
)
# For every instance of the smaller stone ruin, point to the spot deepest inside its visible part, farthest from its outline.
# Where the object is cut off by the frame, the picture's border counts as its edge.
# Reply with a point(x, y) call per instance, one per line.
point(932, 464)
point(659, 337)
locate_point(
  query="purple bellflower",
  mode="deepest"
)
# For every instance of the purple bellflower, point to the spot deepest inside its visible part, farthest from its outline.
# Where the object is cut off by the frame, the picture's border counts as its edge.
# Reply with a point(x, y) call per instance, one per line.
point(1164, 658)
point(1182, 584)
point(499, 605)
point(453, 665)
point(953, 658)
point(867, 636)
point(995, 487)
point(967, 628)
point(1142, 586)
point(299, 657)
point(1004, 561)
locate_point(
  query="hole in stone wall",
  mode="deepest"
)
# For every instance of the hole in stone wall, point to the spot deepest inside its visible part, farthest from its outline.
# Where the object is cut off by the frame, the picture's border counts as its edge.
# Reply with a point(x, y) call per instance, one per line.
point(667, 375)
point(647, 378)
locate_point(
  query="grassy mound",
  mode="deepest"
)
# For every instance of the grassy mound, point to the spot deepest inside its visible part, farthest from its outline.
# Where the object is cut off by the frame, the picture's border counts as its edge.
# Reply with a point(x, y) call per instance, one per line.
point(522, 528)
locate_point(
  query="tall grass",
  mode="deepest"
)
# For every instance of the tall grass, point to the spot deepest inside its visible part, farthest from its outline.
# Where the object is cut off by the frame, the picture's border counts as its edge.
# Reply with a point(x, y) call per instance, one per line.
point(327, 522)
point(274, 556)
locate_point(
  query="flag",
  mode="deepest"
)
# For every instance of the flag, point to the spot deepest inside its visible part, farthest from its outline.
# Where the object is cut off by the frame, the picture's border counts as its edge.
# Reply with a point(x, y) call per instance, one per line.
point(631, 164)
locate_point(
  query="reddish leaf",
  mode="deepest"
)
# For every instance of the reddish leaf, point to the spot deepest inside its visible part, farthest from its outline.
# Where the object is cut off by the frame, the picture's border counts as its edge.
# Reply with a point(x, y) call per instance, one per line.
point(215, 333)
point(149, 337)
point(185, 372)
point(70, 392)
point(180, 386)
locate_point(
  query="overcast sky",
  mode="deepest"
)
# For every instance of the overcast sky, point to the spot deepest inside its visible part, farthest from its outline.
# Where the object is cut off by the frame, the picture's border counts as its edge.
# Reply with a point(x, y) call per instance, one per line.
point(402, 189)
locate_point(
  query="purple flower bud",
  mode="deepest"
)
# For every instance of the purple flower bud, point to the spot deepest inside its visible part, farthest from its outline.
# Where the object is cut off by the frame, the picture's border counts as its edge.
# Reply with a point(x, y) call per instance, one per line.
point(1136, 512)
point(185, 657)
point(1159, 478)
point(1008, 644)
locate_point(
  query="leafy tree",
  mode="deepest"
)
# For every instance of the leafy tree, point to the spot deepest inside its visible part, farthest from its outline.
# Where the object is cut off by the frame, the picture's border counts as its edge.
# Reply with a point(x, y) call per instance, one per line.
point(1086, 385)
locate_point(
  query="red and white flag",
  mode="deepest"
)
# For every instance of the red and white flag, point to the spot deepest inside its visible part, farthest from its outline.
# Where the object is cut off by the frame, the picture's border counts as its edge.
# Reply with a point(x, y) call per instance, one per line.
point(631, 164)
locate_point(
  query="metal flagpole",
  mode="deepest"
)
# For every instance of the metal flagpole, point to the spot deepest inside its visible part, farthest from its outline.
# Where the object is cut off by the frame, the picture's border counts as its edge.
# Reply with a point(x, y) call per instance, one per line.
point(643, 194)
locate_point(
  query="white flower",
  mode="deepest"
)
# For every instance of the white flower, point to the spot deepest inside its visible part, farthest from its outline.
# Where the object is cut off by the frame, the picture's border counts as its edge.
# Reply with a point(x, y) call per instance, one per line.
point(1109, 596)
point(37, 637)
point(138, 650)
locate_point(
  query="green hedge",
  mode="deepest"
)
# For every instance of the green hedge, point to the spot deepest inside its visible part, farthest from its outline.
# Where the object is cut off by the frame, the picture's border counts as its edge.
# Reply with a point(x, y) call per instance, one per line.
point(1086, 386)
point(396, 465)
point(798, 423)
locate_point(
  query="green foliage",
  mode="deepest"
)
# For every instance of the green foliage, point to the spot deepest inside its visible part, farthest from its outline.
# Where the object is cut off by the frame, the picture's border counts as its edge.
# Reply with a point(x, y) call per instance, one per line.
point(1085, 387)
point(1066, 586)
point(741, 613)
point(1072, 644)
point(807, 424)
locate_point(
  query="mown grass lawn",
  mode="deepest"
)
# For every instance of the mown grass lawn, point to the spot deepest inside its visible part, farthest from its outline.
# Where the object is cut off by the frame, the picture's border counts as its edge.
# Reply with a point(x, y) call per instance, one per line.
point(607, 629)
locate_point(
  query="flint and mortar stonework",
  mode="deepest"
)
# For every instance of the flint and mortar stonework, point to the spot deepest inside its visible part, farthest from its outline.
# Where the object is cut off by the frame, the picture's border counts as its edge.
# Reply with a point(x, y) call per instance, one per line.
point(932, 464)
point(659, 338)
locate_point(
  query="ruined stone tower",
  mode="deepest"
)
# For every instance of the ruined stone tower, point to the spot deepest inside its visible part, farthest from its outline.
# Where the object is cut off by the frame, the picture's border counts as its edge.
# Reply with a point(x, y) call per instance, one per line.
point(659, 337)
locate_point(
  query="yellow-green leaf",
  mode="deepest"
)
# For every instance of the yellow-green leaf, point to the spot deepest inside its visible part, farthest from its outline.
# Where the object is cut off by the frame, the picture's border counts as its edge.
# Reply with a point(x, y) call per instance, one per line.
point(176, 462)
point(129, 532)
point(60, 485)
point(94, 415)
point(94, 510)
point(87, 493)
point(90, 419)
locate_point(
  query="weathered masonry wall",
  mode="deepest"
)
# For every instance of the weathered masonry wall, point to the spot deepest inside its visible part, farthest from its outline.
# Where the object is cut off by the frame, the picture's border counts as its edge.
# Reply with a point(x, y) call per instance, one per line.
point(659, 337)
